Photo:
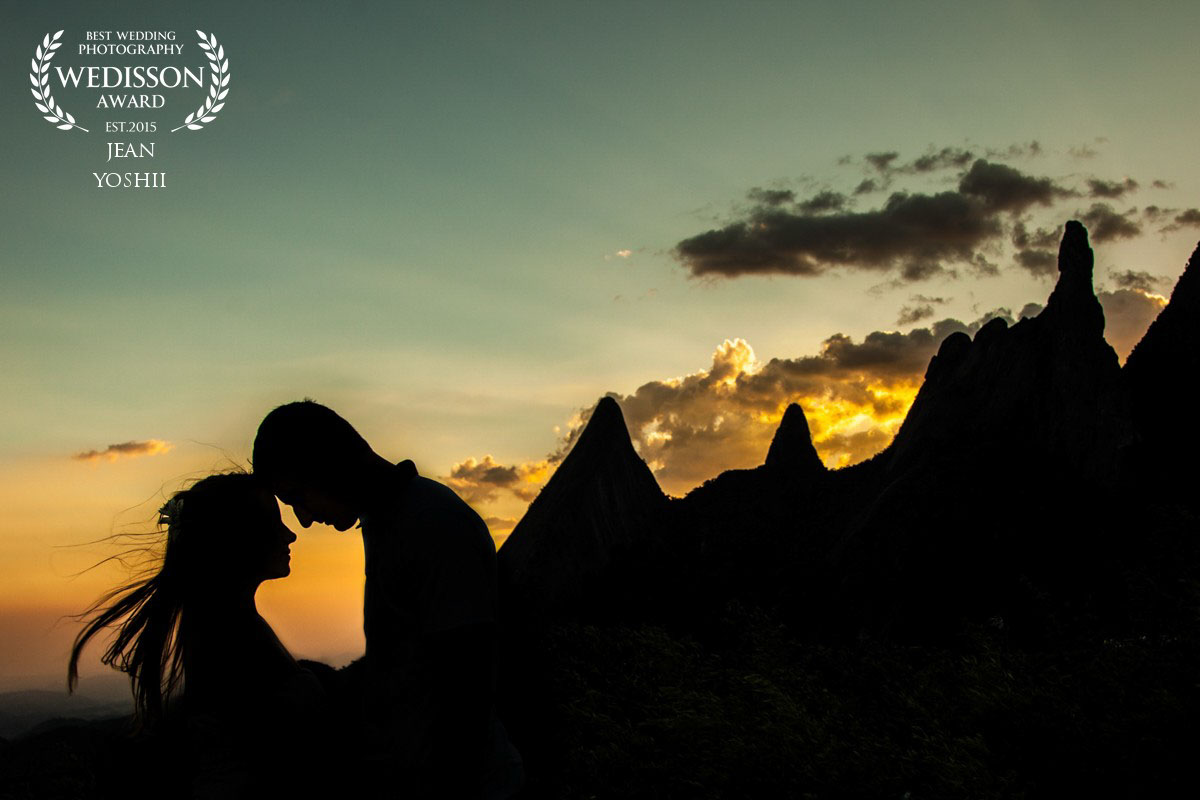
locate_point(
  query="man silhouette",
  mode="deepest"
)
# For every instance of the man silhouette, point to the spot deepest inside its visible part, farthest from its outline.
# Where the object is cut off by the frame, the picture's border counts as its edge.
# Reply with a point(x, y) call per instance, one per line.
point(427, 682)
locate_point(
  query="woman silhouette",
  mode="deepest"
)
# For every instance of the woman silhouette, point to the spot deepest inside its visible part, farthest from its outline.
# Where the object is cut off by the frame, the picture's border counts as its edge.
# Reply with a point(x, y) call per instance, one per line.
point(201, 659)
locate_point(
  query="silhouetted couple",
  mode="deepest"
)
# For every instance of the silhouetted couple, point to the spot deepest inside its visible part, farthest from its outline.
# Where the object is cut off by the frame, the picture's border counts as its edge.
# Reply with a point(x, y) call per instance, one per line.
point(413, 717)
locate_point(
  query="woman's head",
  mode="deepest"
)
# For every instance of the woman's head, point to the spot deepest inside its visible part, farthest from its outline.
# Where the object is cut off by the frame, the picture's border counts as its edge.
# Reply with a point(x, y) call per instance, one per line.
point(223, 538)
point(224, 531)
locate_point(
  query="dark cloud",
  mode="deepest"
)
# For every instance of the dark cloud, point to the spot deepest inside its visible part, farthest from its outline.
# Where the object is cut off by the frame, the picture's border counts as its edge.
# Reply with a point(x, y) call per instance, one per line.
point(1030, 310)
point(946, 158)
point(1083, 151)
point(915, 313)
point(1104, 224)
point(771, 197)
point(1014, 151)
point(1041, 263)
point(1179, 220)
point(887, 164)
point(1141, 281)
point(1004, 188)
point(917, 236)
point(881, 161)
point(1160, 184)
point(916, 233)
point(149, 447)
point(1038, 239)
point(822, 202)
point(1110, 189)
point(484, 480)
point(867, 186)
point(1189, 217)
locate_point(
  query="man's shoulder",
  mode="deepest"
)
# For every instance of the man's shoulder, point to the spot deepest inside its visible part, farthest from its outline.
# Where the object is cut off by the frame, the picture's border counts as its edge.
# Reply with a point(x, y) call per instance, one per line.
point(426, 504)
point(425, 496)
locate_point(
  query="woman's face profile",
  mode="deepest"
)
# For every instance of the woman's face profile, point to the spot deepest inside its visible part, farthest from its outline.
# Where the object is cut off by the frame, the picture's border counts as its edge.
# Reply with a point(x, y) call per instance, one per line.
point(268, 539)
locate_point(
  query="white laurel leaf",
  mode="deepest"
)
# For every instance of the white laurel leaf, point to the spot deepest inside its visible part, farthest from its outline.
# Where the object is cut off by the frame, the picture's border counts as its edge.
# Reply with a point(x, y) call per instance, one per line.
point(215, 53)
point(39, 77)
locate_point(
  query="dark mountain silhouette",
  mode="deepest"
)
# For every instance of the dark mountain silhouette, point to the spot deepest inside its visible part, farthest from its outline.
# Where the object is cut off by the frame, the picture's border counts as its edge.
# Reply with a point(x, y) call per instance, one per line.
point(599, 506)
point(987, 498)
point(1154, 373)
point(792, 451)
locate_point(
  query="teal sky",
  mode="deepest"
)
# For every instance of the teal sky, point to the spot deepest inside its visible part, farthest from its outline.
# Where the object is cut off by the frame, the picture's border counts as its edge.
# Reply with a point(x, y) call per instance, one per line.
point(413, 211)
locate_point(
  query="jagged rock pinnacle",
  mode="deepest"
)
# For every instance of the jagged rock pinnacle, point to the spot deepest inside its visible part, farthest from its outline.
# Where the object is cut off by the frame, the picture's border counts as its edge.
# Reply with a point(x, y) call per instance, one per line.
point(1073, 301)
point(601, 502)
point(606, 421)
point(792, 448)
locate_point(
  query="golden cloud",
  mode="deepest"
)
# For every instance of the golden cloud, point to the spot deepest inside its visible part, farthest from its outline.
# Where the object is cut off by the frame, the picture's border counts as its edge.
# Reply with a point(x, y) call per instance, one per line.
point(150, 447)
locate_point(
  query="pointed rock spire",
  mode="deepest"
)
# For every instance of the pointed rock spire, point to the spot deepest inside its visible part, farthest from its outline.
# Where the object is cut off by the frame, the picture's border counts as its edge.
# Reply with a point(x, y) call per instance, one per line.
point(1073, 305)
point(792, 448)
point(600, 502)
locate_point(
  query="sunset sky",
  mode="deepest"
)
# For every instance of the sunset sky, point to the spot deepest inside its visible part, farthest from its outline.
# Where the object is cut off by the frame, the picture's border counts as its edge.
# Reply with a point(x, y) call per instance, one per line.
point(461, 224)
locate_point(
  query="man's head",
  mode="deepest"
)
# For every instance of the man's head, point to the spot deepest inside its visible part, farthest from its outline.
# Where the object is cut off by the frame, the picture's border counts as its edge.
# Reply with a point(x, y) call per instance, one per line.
point(313, 460)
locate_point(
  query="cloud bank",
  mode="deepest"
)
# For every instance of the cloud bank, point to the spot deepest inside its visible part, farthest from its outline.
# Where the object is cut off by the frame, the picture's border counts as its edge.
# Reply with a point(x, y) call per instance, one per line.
point(919, 234)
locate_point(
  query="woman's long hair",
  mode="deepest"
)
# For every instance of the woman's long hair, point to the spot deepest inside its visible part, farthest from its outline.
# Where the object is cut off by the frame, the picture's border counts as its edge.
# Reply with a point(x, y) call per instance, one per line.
point(148, 613)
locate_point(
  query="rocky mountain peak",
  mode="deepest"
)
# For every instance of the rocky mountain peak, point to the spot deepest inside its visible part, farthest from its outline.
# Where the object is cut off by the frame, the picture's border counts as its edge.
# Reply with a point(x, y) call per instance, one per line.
point(1073, 305)
point(792, 448)
point(600, 502)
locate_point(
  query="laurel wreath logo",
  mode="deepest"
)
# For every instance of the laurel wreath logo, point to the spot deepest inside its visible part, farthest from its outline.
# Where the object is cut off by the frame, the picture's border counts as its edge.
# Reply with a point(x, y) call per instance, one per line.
point(40, 78)
point(217, 91)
